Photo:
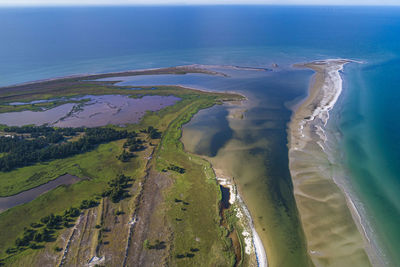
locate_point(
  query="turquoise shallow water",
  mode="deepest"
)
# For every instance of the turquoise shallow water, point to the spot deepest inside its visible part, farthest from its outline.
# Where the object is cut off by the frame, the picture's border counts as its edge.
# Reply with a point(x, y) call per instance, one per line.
point(38, 43)
point(370, 143)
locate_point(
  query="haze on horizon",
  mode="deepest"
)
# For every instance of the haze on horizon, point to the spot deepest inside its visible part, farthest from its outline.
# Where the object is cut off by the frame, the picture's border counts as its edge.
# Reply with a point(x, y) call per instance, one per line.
point(198, 2)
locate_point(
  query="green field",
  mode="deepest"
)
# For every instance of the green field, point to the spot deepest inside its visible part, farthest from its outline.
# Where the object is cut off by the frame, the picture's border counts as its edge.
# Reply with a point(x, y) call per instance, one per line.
point(198, 226)
point(197, 187)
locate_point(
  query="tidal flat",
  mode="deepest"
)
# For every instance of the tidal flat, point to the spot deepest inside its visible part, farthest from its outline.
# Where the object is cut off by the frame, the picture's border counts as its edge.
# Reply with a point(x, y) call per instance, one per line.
point(331, 222)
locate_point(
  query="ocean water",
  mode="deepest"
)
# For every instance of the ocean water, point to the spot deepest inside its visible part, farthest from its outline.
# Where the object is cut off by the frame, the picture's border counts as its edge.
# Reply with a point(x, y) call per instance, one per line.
point(370, 130)
point(40, 43)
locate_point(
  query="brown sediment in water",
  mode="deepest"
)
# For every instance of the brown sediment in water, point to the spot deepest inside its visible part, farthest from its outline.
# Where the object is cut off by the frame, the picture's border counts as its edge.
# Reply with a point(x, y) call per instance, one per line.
point(235, 159)
point(330, 223)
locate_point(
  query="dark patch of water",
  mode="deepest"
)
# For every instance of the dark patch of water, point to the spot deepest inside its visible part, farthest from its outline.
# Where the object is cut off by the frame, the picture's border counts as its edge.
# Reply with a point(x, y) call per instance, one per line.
point(31, 194)
point(225, 197)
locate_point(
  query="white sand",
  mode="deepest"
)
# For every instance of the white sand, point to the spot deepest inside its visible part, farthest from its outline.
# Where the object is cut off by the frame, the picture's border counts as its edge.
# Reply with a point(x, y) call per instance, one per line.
point(253, 243)
point(329, 218)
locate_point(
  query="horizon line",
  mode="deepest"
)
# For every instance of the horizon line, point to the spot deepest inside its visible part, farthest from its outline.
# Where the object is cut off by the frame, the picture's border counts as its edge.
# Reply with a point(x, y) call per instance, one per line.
point(192, 4)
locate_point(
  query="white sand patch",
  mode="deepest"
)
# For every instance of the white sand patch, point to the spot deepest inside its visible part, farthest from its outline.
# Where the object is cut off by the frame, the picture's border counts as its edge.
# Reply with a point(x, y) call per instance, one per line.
point(252, 241)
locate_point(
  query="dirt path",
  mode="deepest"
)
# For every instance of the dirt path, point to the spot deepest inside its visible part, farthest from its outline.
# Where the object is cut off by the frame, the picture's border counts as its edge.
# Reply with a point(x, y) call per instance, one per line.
point(150, 223)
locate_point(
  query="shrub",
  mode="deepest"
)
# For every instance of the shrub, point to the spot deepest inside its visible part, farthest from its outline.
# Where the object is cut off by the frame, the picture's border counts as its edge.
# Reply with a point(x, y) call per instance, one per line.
point(176, 169)
point(146, 244)
point(86, 204)
point(11, 250)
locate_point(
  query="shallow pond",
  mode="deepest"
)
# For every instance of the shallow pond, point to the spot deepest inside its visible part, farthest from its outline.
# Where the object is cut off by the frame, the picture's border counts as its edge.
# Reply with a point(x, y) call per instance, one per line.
point(98, 111)
point(31, 194)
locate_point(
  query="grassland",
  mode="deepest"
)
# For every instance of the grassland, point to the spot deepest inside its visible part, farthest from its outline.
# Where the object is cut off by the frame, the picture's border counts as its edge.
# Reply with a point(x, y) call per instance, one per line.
point(196, 224)
point(194, 228)
point(100, 165)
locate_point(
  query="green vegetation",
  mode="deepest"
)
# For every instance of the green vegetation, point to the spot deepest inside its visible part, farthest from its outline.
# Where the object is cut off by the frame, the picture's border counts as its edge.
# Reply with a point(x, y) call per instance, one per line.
point(125, 156)
point(156, 245)
point(35, 237)
point(194, 199)
point(86, 85)
point(153, 132)
point(198, 237)
point(23, 152)
point(100, 165)
point(117, 188)
point(87, 204)
point(133, 145)
point(176, 169)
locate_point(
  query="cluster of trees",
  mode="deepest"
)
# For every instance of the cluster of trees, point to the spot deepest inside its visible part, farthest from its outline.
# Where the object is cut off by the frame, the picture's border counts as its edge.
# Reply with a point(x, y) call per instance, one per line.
point(117, 188)
point(176, 169)
point(86, 204)
point(43, 231)
point(23, 152)
point(157, 244)
point(49, 134)
point(125, 156)
point(42, 130)
point(153, 132)
point(45, 131)
point(187, 254)
point(9, 145)
point(132, 144)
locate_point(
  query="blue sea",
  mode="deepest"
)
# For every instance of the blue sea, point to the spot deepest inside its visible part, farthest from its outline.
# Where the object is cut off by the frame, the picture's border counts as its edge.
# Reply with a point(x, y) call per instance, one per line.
point(40, 43)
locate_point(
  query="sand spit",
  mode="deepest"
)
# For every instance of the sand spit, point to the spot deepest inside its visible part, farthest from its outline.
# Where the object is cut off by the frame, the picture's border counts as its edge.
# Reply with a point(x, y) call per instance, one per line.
point(193, 68)
point(331, 224)
point(230, 67)
point(253, 244)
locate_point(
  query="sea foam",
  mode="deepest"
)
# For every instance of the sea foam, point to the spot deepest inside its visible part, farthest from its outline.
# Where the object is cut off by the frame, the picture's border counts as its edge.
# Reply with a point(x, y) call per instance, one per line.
point(333, 227)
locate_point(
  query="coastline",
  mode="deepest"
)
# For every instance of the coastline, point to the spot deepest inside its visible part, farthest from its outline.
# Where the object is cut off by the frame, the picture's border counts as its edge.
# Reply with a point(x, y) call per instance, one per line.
point(181, 69)
point(278, 234)
point(253, 243)
point(329, 216)
point(253, 246)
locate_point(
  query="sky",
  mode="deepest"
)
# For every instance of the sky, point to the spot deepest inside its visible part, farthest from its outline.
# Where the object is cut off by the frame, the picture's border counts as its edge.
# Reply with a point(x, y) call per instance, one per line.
point(195, 2)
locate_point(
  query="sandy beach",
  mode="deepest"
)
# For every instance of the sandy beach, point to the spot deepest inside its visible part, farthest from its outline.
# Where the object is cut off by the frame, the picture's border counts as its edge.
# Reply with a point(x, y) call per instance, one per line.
point(332, 225)
point(253, 243)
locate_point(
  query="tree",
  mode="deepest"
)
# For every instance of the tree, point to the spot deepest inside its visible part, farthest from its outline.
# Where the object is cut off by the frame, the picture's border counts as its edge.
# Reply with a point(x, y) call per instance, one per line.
point(45, 144)
point(38, 237)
